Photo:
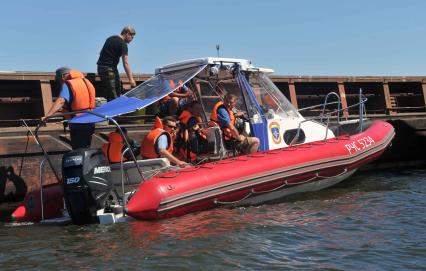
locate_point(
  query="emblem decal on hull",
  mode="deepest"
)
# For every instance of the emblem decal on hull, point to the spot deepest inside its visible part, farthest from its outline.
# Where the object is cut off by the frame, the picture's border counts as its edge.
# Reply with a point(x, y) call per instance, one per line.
point(274, 127)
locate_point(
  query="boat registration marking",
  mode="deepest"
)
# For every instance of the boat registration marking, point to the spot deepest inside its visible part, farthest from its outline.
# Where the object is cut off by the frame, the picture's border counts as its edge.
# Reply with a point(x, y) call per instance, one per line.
point(360, 144)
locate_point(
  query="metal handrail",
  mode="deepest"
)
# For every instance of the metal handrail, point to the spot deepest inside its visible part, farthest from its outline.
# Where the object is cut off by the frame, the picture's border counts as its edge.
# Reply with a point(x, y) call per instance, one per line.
point(361, 110)
point(338, 104)
point(315, 106)
point(47, 158)
point(41, 188)
point(360, 104)
point(111, 120)
point(122, 177)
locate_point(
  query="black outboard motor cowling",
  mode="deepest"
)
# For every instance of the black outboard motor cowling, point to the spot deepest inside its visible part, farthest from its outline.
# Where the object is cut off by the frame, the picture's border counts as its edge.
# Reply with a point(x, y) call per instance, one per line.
point(86, 179)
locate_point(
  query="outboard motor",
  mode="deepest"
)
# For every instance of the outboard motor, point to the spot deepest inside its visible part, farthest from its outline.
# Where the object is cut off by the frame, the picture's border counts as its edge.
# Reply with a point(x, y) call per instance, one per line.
point(86, 178)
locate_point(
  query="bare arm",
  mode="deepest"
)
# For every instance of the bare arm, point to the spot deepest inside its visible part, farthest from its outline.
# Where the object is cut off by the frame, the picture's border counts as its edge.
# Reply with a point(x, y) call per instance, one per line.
point(180, 95)
point(57, 105)
point(234, 132)
point(126, 66)
point(166, 154)
point(239, 114)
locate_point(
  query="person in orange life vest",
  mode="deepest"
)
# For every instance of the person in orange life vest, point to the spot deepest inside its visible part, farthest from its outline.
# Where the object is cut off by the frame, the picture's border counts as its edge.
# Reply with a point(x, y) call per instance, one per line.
point(176, 100)
point(269, 103)
point(76, 93)
point(192, 139)
point(159, 141)
point(116, 145)
point(223, 115)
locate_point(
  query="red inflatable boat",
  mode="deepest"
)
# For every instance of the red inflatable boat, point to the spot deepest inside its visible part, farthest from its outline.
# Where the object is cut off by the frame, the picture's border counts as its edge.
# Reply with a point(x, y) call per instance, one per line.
point(260, 177)
point(295, 154)
point(31, 209)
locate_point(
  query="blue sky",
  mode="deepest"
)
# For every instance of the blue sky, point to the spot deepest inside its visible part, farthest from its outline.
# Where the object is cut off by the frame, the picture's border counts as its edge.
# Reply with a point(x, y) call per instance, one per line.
point(327, 37)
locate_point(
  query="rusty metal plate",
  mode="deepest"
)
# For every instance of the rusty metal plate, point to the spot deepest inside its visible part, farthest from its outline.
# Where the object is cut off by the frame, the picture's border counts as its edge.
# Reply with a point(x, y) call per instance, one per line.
point(17, 145)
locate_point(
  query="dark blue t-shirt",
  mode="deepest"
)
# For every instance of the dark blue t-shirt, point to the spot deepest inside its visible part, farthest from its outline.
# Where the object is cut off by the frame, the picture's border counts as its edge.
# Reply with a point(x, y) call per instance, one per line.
point(111, 52)
point(191, 122)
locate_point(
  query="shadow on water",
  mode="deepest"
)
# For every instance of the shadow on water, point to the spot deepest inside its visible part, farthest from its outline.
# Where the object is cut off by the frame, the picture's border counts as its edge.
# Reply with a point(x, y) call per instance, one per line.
point(8, 195)
point(408, 145)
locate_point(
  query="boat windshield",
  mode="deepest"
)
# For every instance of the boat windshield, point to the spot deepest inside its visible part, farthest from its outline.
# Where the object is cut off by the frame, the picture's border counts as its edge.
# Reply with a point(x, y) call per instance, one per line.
point(211, 92)
point(269, 97)
point(162, 84)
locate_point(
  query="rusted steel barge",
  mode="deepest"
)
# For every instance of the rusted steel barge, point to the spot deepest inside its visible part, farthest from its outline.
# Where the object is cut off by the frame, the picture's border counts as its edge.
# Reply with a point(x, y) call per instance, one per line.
point(28, 95)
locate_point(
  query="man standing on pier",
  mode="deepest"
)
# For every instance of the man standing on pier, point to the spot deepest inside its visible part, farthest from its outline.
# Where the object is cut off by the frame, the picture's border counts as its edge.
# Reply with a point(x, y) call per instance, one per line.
point(114, 48)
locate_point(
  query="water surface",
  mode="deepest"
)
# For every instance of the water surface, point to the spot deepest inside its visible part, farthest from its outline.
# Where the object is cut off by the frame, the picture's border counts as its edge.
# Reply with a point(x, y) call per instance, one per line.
point(373, 221)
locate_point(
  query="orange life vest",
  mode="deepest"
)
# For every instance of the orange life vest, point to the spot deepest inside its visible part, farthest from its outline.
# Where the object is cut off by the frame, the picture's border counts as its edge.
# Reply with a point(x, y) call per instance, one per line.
point(165, 99)
point(114, 147)
point(269, 101)
point(172, 85)
point(214, 117)
point(150, 142)
point(184, 118)
point(82, 92)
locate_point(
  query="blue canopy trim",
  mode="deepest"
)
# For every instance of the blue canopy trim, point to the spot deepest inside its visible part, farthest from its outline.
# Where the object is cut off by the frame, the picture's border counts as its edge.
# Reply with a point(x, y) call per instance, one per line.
point(259, 129)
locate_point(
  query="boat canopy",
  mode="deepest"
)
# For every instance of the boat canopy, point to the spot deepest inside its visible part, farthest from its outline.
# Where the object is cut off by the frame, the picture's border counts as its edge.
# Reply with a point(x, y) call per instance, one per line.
point(219, 71)
point(244, 64)
point(150, 91)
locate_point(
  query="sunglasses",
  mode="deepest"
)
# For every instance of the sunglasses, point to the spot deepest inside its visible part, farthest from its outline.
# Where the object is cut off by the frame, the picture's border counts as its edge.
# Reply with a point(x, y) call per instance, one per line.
point(172, 127)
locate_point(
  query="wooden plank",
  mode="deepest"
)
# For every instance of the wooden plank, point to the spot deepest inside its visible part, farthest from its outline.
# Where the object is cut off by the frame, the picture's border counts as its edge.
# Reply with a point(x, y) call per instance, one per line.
point(17, 145)
point(15, 100)
point(293, 97)
point(424, 92)
point(22, 76)
point(46, 95)
point(388, 102)
point(97, 139)
point(137, 135)
point(342, 94)
point(13, 75)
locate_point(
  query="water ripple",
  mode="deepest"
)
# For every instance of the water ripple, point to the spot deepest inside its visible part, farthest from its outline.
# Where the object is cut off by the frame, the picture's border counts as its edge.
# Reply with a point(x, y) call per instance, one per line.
point(370, 222)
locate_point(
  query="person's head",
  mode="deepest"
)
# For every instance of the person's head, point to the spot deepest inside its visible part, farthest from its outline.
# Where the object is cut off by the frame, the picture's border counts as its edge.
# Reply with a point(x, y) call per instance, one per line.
point(230, 101)
point(61, 74)
point(170, 124)
point(128, 33)
point(195, 108)
point(269, 102)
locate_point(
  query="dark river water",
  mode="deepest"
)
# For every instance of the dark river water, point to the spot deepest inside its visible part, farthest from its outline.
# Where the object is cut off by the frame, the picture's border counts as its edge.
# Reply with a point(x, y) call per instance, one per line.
point(372, 221)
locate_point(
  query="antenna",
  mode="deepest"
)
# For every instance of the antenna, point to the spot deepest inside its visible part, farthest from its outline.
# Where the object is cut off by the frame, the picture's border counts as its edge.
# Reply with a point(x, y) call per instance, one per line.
point(217, 49)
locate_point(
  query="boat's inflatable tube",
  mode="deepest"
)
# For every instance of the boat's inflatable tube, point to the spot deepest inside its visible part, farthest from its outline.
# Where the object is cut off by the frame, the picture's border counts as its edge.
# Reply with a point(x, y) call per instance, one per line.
point(31, 211)
point(233, 180)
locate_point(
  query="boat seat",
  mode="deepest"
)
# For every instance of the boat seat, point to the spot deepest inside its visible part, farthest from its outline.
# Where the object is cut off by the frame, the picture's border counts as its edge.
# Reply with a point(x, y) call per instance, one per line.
point(215, 137)
point(149, 168)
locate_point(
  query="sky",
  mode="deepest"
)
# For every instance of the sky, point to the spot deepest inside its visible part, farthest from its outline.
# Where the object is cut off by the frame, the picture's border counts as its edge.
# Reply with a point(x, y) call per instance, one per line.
point(306, 38)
